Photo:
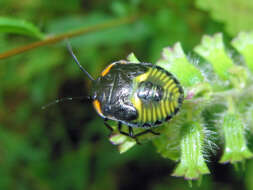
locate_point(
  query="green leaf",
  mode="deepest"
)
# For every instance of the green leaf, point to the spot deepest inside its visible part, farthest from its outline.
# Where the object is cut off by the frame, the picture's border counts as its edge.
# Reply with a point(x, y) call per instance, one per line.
point(213, 50)
point(236, 14)
point(167, 143)
point(244, 44)
point(235, 143)
point(123, 142)
point(18, 26)
point(132, 58)
point(126, 146)
point(174, 60)
point(192, 163)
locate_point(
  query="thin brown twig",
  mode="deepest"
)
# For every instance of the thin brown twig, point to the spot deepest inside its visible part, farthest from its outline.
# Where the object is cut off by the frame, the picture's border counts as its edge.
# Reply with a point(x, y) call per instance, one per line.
point(57, 38)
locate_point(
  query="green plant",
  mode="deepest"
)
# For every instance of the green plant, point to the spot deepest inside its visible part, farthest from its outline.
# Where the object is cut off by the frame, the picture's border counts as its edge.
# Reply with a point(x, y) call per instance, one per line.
point(218, 103)
point(217, 106)
point(224, 11)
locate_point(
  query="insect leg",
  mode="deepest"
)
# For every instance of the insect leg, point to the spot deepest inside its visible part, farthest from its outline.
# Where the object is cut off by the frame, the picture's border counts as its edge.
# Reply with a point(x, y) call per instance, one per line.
point(108, 126)
point(130, 134)
point(153, 132)
point(120, 131)
point(147, 131)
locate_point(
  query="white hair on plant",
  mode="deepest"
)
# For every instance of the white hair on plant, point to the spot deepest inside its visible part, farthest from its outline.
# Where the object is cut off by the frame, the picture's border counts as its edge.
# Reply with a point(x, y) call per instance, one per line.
point(209, 141)
point(195, 61)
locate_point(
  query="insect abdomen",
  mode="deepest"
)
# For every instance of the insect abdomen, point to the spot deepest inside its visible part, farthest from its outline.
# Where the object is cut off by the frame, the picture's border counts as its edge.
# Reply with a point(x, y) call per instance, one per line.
point(157, 96)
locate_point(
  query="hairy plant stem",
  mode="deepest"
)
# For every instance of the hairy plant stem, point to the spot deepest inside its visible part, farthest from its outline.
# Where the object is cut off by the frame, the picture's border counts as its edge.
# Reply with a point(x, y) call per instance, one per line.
point(57, 38)
point(232, 93)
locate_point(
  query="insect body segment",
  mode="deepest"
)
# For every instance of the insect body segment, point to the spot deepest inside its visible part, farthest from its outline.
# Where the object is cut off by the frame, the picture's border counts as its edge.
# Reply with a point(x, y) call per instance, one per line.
point(107, 69)
point(113, 90)
point(157, 98)
point(97, 107)
point(150, 92)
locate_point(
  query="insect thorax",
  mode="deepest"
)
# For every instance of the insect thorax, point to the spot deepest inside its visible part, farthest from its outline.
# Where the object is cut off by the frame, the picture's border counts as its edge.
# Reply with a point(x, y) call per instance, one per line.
point(114, 89)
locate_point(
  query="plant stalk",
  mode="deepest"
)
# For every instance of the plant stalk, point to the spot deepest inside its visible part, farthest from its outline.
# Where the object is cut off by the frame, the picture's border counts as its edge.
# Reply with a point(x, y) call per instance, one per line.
point(75, 33)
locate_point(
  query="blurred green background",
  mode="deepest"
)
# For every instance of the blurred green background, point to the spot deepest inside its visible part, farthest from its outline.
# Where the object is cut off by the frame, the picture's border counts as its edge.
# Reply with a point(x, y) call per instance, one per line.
point(66, 146)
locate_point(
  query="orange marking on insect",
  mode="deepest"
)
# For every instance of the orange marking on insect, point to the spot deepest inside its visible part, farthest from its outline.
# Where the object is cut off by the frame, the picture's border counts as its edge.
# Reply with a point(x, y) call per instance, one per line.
point(107, 69)
point(97, 107)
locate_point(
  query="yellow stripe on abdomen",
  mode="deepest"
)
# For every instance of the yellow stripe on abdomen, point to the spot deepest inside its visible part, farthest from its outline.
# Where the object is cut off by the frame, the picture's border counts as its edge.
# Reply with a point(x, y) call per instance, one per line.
point(163, 109)
point(153, 110)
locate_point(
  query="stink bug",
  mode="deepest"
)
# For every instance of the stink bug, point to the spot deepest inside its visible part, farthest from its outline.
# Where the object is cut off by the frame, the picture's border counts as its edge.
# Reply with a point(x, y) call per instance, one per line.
point(139, 95)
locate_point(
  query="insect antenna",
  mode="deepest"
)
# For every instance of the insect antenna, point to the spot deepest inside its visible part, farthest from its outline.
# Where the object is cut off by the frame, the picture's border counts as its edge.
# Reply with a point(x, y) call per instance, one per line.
point(77, 62)
point(64, 100)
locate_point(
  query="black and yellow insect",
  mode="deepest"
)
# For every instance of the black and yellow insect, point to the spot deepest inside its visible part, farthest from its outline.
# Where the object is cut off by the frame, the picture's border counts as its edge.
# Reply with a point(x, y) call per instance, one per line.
point(135, 94)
